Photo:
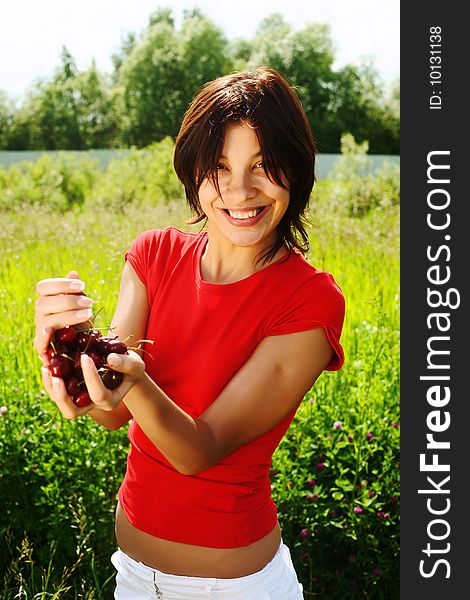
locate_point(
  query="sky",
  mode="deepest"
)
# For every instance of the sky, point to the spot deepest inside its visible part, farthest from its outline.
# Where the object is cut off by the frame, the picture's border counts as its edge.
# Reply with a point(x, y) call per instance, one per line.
point(32, 33)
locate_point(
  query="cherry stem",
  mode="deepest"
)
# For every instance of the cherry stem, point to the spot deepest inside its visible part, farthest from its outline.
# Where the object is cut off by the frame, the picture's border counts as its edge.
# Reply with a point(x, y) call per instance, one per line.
point(140, 349)
point(97, 313)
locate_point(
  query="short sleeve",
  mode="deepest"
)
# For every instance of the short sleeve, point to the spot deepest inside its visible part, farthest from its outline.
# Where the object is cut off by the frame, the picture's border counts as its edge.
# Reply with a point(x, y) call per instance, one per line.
point(319, 302)
point(143, 257)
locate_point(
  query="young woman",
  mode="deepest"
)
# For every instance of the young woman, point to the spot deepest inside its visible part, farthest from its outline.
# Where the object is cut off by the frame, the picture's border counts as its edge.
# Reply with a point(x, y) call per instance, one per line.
point(243, 326)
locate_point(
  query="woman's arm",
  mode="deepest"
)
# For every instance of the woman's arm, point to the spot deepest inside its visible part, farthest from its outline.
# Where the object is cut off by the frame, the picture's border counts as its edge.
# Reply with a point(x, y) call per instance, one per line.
point(271, 383)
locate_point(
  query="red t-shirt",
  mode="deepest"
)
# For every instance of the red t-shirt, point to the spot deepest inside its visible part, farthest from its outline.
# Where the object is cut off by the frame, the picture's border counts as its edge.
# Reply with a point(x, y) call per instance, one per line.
point(204, 333)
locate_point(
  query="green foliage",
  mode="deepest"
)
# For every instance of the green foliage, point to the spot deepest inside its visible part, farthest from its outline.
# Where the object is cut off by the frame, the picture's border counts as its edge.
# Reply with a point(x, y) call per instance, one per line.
point(158, 72)
point(72, 111)
point(59, 478)
point(164, 70)
point(146, 176)
point(61, 181)
point(358, 105)
point(118, 58)
point(350, 99)
point(140, 177)
point(336, 474)
point(355, 188)
point(6, 110)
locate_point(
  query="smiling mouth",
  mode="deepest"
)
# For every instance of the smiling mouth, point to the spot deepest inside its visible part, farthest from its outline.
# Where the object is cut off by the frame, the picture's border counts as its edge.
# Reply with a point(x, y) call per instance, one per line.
point(242, 215)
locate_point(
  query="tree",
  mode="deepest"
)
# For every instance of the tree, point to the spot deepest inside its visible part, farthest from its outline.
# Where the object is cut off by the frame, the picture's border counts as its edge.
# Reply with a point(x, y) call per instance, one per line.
point(6, 110)
point(119, 57)
point(164, 70)
point(96, 109)
point(150, 79)
point(72, 111)
point(348, 100)
point(205, 53)
point(358, 102)
point(305, 58)
point(157, 73)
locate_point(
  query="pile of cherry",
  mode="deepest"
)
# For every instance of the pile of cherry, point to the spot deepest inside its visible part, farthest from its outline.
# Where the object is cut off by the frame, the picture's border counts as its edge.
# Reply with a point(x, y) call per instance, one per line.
point(65, 350)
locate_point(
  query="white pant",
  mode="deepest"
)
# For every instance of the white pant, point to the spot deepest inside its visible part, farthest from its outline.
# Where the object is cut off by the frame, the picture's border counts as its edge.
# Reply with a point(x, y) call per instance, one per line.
point(276, 581)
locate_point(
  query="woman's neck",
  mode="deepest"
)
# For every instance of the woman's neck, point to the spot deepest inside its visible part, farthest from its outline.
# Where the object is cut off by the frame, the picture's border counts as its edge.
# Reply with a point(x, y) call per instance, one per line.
point(223, 262)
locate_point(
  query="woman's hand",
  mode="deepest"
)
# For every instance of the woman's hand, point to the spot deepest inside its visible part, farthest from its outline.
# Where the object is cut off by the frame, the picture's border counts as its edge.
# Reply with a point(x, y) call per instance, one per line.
point(61, 303)
point(131, 365)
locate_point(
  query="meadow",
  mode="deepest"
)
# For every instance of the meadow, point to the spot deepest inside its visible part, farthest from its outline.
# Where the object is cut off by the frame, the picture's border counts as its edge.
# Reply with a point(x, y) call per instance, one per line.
point(335, 476)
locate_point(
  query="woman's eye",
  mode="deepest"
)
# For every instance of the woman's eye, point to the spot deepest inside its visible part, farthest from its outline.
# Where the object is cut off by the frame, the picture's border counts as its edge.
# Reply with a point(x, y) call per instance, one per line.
point(259, 165)
point(220, 166)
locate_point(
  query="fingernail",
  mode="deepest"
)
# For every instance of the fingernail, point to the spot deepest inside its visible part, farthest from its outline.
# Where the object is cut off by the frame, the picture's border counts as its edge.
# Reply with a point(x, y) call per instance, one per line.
point(85, 360)
point(114, 360)
point(76, 285)
point(85, 301)
point(84, 314)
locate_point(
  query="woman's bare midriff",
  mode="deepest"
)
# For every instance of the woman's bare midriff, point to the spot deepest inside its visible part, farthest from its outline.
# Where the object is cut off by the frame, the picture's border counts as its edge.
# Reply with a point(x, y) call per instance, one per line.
point(194, 561)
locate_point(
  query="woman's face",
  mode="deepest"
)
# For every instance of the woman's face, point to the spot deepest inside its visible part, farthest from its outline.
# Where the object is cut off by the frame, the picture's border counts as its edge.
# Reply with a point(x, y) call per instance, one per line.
point(250, 206)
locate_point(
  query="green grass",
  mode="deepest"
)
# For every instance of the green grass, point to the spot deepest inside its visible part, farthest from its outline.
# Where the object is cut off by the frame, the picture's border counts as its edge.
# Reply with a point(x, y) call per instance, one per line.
point(59, 478)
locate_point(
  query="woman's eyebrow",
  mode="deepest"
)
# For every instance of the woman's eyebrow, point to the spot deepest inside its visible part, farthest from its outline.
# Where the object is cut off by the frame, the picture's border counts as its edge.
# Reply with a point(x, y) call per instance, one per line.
point(257, 155)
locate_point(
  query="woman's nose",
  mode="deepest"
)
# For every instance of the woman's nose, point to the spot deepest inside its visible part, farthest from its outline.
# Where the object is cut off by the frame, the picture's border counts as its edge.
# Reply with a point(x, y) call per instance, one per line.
point(240, 188)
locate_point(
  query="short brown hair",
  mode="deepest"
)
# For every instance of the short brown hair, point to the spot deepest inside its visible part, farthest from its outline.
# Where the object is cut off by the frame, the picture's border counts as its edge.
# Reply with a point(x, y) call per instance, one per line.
point(265, 100)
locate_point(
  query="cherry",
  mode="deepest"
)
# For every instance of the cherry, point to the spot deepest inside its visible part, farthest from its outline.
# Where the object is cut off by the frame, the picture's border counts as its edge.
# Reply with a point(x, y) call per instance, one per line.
point(82, 399)
point(111, 379)
point(97, 358)
point(86, 340)
point(65, 351)
point(106, 345)
point(77, 365)
point(67, 335)
point(56, 348)
point(60, 366)
point(117, 346)
point(74, 385)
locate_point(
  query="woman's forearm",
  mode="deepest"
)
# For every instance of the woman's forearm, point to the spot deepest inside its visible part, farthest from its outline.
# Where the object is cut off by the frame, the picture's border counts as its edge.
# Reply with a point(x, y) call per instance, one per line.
point(187, 443)
point(111, 419)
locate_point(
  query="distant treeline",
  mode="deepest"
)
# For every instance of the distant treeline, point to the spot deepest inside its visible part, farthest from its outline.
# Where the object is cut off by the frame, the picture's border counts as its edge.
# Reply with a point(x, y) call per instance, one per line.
point(157, 72)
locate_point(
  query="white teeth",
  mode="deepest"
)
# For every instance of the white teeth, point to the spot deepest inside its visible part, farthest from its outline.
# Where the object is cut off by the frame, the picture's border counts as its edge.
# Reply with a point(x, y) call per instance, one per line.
point(236, 214)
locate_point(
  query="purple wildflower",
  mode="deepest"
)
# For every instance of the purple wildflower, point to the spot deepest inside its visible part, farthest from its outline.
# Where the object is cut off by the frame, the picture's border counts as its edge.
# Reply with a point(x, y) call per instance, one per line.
point(358, 510)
